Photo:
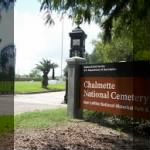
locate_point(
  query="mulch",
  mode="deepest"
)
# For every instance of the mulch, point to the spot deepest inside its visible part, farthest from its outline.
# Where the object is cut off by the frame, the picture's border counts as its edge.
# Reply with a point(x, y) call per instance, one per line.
point(78, 135)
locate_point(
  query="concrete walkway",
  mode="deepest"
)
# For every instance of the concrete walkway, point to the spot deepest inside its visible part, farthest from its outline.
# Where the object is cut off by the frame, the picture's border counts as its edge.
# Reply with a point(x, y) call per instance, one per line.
point(34, 102)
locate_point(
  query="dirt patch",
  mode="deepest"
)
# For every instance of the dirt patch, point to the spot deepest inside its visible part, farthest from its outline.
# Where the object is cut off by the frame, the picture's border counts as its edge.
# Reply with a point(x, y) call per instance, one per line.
point(77, 136)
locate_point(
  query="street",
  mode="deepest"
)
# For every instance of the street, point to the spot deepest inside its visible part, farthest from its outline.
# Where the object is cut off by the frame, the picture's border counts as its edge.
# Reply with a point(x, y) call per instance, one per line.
point(31, 102)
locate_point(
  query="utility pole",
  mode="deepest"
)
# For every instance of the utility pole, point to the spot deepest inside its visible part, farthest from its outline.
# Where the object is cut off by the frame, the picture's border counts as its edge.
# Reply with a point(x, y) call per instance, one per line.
point(62, 40)
point(62, 46)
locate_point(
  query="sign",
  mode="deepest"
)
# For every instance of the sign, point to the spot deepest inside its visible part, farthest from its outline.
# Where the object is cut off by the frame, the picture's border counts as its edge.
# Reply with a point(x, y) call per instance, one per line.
point(76, 42)
point(118, 88)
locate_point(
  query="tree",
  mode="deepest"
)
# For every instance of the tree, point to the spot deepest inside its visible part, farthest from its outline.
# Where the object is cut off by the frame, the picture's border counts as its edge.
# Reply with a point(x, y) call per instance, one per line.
point(44, 66)
point(103, 12)
point(93, 57)
point(119, 49)
point(53, 70)
point(35, 73)
point(117, 18)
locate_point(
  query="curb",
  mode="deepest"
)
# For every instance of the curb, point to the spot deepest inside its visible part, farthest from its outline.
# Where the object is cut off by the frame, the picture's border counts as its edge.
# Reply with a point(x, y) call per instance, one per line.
point(40, 92)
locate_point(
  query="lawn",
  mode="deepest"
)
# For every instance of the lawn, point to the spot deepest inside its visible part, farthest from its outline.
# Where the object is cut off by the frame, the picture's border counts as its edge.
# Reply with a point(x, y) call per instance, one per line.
point(41, 119)
point(29, 86)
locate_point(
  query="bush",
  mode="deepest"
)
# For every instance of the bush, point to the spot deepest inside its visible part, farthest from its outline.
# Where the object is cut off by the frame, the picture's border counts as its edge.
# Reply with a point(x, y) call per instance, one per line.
point(95, 116)
point(27, 79)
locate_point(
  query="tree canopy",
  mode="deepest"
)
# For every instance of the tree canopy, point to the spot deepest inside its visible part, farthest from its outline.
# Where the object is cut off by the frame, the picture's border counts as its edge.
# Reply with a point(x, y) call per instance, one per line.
point(103, 12)
point(125, 23)
point(119, 49)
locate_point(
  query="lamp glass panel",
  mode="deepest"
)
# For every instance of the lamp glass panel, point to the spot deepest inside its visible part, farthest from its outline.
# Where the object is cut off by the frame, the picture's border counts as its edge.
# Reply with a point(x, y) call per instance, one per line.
point(76, 42)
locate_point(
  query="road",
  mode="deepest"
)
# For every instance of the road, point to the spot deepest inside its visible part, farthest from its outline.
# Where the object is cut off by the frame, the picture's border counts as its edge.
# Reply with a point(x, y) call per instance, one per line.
point(31, 102)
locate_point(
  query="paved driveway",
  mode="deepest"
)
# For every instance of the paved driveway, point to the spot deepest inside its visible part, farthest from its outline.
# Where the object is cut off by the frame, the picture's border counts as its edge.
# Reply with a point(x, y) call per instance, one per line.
point(33, 102)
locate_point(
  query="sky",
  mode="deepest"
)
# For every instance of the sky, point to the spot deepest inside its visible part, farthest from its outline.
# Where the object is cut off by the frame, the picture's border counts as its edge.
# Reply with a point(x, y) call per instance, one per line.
point(34, 40)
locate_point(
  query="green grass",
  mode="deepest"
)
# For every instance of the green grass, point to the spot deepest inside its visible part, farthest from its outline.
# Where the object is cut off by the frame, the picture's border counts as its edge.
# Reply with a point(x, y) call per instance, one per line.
point(36, 120)
point(6, 124)
point(26, 86)
point(41, 119)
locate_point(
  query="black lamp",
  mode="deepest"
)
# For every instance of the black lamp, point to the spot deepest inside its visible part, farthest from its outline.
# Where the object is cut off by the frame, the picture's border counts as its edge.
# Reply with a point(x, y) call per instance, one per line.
point(78, 37)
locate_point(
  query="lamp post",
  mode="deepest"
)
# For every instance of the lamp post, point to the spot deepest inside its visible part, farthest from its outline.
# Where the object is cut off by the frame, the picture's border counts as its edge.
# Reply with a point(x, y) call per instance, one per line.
point(78, 37)
point(77, 45)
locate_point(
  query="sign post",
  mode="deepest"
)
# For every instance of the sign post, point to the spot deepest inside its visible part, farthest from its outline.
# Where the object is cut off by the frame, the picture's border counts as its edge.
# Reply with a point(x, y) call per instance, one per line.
point(73, 86)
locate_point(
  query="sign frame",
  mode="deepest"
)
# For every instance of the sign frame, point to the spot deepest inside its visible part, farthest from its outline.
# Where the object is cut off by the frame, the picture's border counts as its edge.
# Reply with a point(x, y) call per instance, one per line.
point(118, 88)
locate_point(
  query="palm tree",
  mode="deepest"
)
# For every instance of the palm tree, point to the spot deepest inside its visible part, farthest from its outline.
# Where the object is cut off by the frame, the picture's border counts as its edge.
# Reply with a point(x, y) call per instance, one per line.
point(44, 66)
point(53, 72)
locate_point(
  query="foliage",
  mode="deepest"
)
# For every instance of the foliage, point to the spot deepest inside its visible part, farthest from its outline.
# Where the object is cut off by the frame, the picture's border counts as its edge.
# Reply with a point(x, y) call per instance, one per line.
point(94, 116)
point(119, 49)
point(34, 74)
point(143, 55)
point(44, 66)
point(125, 24)
point(27, 79)
point(120, 123)
point(102, 12)
point(126, 45)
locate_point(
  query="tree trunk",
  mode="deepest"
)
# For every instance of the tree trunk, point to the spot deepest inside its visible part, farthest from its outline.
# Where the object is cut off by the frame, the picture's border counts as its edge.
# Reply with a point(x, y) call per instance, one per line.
point(44, 81)
point(53, 74)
